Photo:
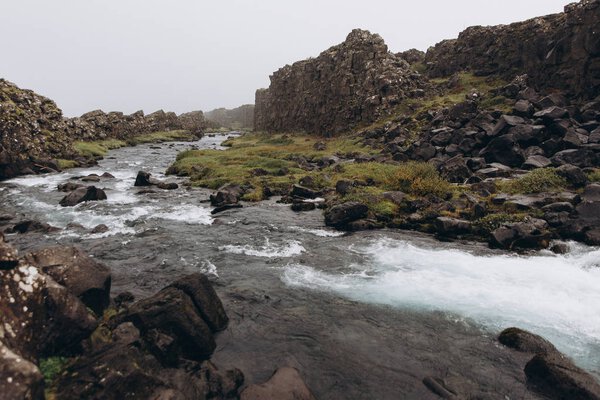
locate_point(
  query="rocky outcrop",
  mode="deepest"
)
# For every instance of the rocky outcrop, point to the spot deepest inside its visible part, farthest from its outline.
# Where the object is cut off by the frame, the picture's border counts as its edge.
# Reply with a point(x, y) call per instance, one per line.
point(33, 132)
point(560, 51)
point(355, 82)
point(241, 117)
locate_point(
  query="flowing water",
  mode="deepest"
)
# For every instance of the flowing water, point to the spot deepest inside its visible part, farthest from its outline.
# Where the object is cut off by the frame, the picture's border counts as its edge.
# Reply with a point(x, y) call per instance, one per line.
point(155, 237)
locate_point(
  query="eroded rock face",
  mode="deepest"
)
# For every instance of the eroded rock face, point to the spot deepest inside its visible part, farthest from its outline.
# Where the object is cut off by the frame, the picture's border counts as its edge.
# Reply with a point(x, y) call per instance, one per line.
point(564, 46)
point(356, 81)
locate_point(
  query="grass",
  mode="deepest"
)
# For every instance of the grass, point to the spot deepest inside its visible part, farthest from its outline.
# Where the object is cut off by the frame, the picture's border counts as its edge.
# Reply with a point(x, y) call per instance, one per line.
point(97, 148)
point(594, 175)
point(165, 136)
point(494, 221)
point(537, 181)
point(66, 164)
point(51, 367)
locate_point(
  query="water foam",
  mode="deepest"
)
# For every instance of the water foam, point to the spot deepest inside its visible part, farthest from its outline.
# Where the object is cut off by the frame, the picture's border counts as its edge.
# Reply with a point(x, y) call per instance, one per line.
point(188, 213)
point(318, 232)
point(556, 296)
point(269, 250)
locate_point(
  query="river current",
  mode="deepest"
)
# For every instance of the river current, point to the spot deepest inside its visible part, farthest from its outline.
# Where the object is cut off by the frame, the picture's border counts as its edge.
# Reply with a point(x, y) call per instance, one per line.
point(154, 238)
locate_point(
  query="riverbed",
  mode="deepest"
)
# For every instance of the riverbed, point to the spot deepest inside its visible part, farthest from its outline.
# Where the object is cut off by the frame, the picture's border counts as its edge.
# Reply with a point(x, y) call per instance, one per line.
point(363, 315)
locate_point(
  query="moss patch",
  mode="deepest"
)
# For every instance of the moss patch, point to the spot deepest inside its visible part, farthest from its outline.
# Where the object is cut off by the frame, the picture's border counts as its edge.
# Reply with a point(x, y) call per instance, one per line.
point(66, 164)
point(97, 148)
point(536, 181)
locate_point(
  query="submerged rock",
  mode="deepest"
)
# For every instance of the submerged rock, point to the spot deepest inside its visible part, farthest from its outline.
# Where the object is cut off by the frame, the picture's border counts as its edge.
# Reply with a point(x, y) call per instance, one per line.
point(285, 384)
point(83, 194)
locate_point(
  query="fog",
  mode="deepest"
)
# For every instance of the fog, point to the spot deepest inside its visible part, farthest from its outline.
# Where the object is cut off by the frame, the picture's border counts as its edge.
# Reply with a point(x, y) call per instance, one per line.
point(184, 55)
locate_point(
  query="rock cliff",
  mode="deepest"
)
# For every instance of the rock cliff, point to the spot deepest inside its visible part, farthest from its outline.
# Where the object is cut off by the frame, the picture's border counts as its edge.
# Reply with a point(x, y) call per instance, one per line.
point(34, 132)
point(560, 51)
point(355, 82)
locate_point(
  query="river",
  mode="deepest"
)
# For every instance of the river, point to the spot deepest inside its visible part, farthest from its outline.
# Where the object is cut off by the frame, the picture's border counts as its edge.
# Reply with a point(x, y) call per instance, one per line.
point(367, 313)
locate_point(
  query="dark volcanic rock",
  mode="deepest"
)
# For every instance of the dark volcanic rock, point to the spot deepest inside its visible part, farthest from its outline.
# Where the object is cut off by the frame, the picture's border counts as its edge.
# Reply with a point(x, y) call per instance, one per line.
point(354, 82)
point(446, 226)
point(555, 376)
point(82, 194)
point(226, 195)
point(564, 45)
point(82, 275)
point(143, 179)
point(340, 215)
point(303, 192)
point(524, 341)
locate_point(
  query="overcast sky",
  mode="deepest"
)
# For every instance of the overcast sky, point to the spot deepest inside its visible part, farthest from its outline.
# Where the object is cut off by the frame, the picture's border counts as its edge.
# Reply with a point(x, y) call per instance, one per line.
point(184, 55)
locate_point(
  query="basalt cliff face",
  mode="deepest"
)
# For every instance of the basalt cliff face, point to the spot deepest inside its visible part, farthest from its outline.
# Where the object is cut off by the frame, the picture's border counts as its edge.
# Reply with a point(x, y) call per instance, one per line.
point(351, 83)
point(34, 132)
point(560, 51)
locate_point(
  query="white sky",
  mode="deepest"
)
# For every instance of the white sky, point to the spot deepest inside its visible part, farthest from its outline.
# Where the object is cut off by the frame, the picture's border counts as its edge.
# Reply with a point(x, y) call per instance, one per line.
point(184, 55)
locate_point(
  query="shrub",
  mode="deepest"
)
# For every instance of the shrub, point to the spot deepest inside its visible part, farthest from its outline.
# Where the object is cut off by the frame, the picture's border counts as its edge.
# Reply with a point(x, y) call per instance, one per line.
point(536, 181)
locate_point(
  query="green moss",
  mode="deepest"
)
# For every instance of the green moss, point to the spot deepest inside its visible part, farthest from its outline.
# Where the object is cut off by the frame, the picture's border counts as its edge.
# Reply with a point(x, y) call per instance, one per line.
point(594, 175)
point(536, 181)
point(66, 164)
point(52, 367)
point(97, 148)
point(166, 136)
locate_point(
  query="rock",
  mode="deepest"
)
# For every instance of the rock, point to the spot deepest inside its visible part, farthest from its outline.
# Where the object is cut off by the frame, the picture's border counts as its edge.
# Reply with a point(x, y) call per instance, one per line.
point(32, 226)
point(530, 234)
point(340, 215)
point(578, 157)
point(167, 185)
point(69, 186)
point(82, 275)
point(504, 150)
point(227, 194)
point(559, 207)
point(299, 206)
point(446, 226)
point(455, 170)
point(524, 341)
point(285, 384)
point(83, 194)
point(359, 77)
point(395, 197)
point(363, 225)
point(198, 287)
point(555, 376)
point(123, 299)
point(320, 146)
point(19, 378)
point(552, 113)
point(343, 187)
point(303, 192)
point(99, 229)
point(536, 161)
point(523, 108)
point(560, 248)
point(574, 175)
point(225, 207)
point(9, 258)
point(91, 178)
point(143, 179)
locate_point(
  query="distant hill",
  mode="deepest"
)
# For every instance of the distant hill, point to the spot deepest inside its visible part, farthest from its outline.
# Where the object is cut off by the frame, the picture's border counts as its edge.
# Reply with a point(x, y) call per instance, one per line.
point(238, 118)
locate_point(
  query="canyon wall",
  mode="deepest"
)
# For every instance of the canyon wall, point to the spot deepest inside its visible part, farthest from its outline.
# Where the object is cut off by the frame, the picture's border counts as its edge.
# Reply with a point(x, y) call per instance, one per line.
point(351, 83)
point(558, 52)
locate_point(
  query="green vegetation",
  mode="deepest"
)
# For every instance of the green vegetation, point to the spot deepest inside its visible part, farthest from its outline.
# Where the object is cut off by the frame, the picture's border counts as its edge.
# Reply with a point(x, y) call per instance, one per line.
point(493, 221)
point(536, 181)
point(97, 148)
point(166, 136)
point(52, 367)
point(594, 175)
point(66, 164)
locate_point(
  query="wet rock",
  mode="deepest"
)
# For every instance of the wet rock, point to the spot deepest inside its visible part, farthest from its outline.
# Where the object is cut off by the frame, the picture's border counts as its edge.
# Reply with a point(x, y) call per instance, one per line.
point(363, 225)
point(560, 248)
point(285, 384)
point(446, 226)
point(439, 387)
point(84, 277)
point(340, 215)
point(8, 255)
point(143, 179)
point(303, 192)
point(300, 206)
point(99, 229)
point(525, 341)
point(91, 178)
point(124, 298)
point(555, 376)
point(69, 186)
point(225, 207)
point(167, 185)
point(530, 234)
point(208, 304)
point(19, 378)
point(83, 194)
point(32, 226)
point(228, 194)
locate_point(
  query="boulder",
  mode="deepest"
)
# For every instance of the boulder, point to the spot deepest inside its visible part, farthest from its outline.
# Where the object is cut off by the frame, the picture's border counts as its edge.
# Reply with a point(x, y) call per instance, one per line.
point(554, 375)
point(285, 384)
point(455, 170)
point(343, 187)
point(167, 185)
point(573, 175)
point(227, 194)
point(552, 113)
point(208, 304)
point(504, 150)
point(529, 234)
point(84, 277)
point(300, 206)
point(83, 194)
point(524, 341)
point(143, 179)
point(32, 226)
point(19, 378)
point(69, 186)
point(303, 192)
point(536, 161)
point(340, 215)
point(446, 226)
point(578, 157)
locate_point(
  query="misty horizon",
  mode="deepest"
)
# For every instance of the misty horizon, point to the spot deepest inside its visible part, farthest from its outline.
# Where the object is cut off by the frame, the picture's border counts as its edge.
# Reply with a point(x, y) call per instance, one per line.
point(188, 56)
